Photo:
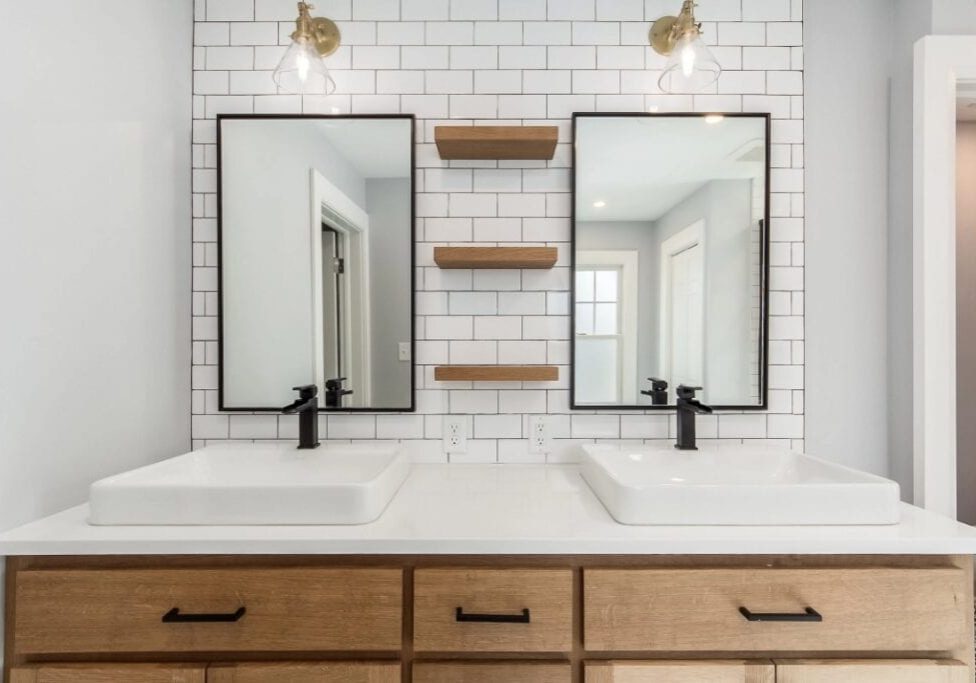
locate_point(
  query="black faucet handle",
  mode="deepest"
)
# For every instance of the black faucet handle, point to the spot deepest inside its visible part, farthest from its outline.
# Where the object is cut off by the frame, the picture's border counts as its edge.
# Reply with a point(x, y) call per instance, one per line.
point(686, 392)
point(657, 384)
point(307, 390)
point(334, 383)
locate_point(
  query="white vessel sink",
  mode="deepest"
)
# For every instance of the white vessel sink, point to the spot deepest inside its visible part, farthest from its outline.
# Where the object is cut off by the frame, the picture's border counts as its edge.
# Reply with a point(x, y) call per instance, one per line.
point(738, 485)
point(255, 484)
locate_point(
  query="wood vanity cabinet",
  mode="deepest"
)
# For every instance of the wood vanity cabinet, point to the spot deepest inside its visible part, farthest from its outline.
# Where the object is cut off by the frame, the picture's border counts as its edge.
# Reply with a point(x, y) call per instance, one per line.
point(717, 671)
point(490, 619)
point(110, 673)
point(317, 672)
point(867, 671)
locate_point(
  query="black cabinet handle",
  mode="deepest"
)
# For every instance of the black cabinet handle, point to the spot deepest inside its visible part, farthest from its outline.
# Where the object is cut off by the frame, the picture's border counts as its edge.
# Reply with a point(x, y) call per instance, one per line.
point(809, 614)
point(522, 618)
point(174, 617)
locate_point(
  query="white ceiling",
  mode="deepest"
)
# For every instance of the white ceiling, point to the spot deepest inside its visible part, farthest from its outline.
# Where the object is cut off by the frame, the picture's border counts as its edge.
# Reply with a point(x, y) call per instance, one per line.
point(377, 148)
point(643, 166)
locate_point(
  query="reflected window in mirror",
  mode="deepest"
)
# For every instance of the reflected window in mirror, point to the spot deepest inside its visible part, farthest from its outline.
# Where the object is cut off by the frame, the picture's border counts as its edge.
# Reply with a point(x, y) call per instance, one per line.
point(316, 234)
point(670, 268)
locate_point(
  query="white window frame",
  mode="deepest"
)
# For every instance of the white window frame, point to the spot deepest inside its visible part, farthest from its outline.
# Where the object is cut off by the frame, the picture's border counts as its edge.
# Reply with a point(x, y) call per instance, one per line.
point(628, 261)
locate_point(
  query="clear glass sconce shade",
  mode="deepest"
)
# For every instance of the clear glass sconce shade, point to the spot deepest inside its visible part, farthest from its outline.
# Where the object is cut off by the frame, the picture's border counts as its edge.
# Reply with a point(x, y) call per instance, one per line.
point(691, 66)
point(302, 71)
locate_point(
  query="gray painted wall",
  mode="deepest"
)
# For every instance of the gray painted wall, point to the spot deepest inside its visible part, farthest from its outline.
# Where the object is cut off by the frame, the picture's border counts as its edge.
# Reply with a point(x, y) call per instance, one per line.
point(94, 257)
point(388, 205)
point(846, 63)
point(859, 226)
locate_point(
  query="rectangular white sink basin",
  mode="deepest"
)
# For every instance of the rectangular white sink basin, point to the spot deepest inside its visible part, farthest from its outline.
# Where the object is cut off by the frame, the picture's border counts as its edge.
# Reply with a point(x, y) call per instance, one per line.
point(737, 485)
point(255, 484)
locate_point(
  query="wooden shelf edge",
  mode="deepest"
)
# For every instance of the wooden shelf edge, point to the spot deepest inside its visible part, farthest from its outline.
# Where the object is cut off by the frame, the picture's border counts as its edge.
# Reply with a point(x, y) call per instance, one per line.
point(496, 142)
point(495, 257)
point(496, 373)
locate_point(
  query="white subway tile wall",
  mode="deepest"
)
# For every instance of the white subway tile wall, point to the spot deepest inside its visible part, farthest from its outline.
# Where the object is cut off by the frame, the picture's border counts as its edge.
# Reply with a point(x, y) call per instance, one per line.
point(512, 62)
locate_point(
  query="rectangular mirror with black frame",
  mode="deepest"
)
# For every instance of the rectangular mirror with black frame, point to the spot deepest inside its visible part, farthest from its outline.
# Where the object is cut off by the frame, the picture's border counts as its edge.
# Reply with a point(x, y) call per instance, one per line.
point(316, 235)
point(670, 267)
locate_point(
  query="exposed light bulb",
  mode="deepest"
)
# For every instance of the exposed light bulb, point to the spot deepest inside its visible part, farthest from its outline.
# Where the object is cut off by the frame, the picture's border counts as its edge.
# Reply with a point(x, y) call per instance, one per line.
point(302, 71)
point(691, 67)
point(688, 60)
point(303, 66)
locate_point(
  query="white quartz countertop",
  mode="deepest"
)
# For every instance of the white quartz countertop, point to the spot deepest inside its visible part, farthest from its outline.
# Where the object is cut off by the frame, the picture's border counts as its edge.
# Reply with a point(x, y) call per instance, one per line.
point(487, 510)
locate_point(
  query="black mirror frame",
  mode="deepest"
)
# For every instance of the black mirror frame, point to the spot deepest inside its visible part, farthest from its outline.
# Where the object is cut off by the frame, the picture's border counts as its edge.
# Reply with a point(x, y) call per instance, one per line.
point(764, 270)
point(413, 264)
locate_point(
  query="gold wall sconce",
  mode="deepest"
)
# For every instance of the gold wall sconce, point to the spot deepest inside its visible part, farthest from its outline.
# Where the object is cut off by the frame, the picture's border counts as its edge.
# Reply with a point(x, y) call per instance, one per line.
point(303, 70)
point(691, 66)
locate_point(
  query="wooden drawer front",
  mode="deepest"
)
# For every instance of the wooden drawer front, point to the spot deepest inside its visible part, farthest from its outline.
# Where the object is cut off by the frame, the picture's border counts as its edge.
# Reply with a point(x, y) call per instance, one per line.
point(871, 671)
point(109, 673)
point(546, 594)
point(501, 672)
point(324, 672)
point(715, 671)
point(286, 610)
point(863, 609)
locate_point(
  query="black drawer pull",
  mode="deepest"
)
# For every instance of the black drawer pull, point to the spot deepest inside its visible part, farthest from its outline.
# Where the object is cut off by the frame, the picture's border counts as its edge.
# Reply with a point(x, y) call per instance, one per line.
point(809, 614)
point(522, 618)
point(174, 617)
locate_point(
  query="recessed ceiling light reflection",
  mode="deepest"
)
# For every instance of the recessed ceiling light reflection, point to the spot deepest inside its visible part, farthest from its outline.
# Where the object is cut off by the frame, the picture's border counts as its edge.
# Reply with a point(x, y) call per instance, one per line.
point(599, 204)
point(714, 118)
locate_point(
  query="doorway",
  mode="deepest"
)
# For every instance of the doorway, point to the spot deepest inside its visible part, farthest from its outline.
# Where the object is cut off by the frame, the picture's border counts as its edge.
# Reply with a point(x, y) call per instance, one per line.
point(683, 306)
point(333, 269)
point(944, 66)
point(966, 302)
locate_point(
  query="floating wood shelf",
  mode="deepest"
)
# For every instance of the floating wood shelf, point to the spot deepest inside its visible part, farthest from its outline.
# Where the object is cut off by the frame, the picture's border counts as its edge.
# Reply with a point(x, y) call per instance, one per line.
point(496, 142)
point(496, 373)
point(495, 257)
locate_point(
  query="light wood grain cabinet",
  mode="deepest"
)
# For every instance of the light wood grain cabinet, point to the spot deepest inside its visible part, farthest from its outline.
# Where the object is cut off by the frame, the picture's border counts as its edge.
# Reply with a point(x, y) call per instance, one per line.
point(493, 610)
point(872, 671)
point(489, 620)
point(207, 610)
point(109, 673)
point(859, 609)
point(303, 672)
point(715, 671)
point(492, 672)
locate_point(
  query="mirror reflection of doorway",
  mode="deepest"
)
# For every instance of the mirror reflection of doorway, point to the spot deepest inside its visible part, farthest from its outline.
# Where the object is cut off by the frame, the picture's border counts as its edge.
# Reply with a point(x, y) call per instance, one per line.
point(965, 301)
point(332, 293)
point(683, 306)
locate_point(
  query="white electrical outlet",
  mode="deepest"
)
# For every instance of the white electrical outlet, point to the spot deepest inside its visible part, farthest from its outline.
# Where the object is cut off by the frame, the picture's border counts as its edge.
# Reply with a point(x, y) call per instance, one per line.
point(539, 435)
point(455, 434)
point(403, 351)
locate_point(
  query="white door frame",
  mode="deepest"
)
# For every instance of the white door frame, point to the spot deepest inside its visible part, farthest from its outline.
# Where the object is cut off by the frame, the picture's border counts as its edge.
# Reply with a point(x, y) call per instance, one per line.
point(693, 235)
point(940, 62)
point(629, 262)
point(353, 222)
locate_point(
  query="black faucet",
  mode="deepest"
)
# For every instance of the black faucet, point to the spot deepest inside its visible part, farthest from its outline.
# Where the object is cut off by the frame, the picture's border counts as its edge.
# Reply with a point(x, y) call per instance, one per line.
point(307, 407)
point(334, 392)
point(688, 406)
point(658, 391)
